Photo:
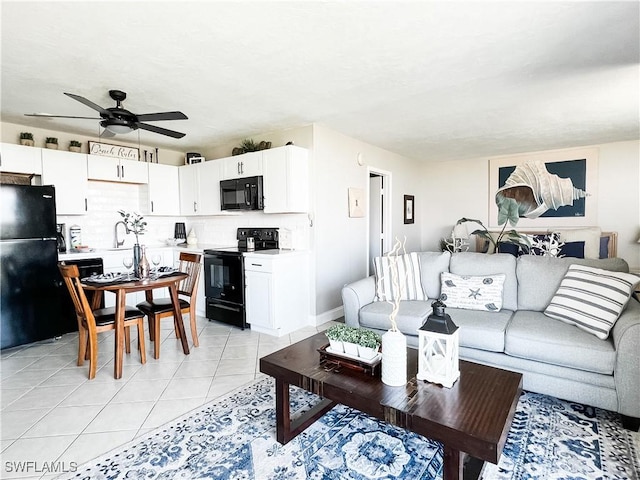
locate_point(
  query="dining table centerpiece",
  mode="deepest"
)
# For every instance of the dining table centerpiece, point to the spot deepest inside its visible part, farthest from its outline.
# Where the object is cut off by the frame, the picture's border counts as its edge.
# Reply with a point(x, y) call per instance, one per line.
point(136, 224)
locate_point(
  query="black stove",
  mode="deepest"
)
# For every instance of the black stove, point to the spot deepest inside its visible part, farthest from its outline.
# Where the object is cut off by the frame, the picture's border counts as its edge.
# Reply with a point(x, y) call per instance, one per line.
point(224, 274)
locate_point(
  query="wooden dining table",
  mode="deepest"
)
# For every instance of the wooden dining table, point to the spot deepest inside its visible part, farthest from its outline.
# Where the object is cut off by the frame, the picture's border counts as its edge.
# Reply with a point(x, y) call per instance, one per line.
point(124, 286)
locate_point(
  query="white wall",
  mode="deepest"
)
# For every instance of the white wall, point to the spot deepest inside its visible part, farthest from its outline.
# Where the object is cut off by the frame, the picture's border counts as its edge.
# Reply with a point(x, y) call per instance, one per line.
point(340, 242)
point(460, 189)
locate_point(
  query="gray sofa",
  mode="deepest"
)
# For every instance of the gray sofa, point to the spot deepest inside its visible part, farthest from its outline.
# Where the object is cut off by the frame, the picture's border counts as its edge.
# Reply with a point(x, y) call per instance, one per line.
point(555, 358)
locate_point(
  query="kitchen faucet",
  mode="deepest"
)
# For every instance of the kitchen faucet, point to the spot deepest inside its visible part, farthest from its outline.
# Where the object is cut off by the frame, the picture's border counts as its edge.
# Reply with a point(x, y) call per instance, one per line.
point(118, 242)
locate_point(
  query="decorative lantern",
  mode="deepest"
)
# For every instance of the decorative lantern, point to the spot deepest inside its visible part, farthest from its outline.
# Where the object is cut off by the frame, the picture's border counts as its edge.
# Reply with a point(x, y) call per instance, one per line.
point(438, 348)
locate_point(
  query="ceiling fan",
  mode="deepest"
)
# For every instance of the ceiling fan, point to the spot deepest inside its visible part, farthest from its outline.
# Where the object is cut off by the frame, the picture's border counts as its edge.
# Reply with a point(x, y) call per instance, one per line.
point(118, 120)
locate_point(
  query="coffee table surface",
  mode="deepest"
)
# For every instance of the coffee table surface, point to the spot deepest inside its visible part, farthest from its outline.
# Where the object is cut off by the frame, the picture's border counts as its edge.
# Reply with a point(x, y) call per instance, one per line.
point(474, 416)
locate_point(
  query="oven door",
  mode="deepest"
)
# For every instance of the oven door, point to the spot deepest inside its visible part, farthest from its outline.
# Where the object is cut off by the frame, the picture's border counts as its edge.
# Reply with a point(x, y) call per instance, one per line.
point(224, 277)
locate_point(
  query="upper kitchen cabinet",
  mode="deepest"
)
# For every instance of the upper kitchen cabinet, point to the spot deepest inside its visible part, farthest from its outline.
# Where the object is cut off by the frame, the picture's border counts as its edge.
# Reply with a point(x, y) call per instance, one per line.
point(111, 169)
point(286, 179)
point(67, 171)
point(20, 159)
point(239, 166)
point(200, 188)
point(164, 189)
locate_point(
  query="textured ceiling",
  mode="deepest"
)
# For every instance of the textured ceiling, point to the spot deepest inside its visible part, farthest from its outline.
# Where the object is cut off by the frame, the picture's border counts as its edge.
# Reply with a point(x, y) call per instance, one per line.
point(429, 80)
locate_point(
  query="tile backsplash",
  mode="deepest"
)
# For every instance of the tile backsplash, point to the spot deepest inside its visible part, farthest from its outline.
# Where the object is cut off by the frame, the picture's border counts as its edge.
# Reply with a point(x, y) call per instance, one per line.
point(106, 198)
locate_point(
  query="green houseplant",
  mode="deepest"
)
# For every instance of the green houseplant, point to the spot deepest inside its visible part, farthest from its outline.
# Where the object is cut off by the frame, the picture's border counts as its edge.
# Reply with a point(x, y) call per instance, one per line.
point(51, 142)
point(368, 343)
point(75, 146)
point(26, 138)
point(508, 213)
point(334, 334)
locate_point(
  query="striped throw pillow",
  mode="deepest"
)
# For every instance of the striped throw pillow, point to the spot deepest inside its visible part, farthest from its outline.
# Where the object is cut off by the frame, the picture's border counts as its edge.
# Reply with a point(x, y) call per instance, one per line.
point(591, 298)
point(409, 285)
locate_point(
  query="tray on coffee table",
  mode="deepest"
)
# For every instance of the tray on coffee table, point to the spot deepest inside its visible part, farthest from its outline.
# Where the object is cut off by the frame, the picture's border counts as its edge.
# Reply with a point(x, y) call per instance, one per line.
point(334, 361)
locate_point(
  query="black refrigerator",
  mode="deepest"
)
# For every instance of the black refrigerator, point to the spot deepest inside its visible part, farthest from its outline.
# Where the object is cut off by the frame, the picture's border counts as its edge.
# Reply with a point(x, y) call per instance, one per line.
point(30, 307)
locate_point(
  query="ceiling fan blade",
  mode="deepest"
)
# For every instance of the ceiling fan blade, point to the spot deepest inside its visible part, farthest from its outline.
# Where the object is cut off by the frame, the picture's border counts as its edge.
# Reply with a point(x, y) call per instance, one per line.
point(48, 115)
point(149, 117)
point(161, 131)
point(89, 104)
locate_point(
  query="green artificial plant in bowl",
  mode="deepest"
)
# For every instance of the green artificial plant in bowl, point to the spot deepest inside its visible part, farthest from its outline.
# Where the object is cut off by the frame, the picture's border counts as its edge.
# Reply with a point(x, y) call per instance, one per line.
point(26, 138)
point(74, 146)
point(51, 142)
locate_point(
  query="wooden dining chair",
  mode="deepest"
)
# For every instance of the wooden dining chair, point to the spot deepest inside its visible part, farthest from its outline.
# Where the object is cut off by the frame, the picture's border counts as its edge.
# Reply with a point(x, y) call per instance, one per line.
point(157, 309)
point(92, 322)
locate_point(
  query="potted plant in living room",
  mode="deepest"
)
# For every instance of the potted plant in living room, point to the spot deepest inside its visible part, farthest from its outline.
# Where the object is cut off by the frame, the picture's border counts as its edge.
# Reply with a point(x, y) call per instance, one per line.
point(334, 334)
point(75, 146)
point(52, 143)
point(26, 138)
point(507, 241)
point(368, 343)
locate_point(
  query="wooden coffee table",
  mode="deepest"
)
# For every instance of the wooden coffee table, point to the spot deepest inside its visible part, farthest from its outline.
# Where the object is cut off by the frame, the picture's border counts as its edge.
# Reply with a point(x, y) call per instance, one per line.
point(471, 418)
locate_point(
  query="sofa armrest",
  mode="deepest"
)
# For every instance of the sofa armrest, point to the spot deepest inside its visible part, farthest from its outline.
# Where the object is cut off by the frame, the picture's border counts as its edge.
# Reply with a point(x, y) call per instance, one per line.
point(355, 296)
point(626, 338)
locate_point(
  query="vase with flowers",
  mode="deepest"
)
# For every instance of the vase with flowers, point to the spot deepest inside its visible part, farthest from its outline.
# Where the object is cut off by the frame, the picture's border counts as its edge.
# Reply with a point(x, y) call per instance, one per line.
point(136, 224)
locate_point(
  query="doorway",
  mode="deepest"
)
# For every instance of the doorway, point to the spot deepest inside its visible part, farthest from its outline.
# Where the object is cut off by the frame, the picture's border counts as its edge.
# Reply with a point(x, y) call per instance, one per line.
point(379, 216)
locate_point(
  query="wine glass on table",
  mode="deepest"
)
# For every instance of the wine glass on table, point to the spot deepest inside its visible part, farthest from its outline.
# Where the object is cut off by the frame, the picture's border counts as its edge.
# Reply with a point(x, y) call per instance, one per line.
point(155, 259)
point(128, 263)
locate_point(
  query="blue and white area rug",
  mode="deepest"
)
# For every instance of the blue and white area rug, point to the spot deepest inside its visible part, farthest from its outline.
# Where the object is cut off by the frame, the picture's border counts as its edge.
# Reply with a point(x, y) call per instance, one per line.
point(234, 438)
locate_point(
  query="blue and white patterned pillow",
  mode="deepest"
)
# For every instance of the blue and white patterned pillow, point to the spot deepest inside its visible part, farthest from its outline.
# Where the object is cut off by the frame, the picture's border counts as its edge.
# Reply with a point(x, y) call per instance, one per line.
point(472, 292)
point(592, 298)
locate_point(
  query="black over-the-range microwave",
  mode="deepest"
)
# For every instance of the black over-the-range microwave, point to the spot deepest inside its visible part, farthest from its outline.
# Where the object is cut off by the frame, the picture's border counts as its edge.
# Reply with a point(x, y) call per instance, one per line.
point(241, 194)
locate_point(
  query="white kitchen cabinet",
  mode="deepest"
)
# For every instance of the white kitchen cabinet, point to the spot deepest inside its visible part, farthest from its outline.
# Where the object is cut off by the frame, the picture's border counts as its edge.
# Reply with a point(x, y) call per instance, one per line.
point(277, 295)
point(200, 188)
point(239, 166)
point(163, 189)
point(67, 171)
point(112, 169)
point(20, 159)
point(286, 180)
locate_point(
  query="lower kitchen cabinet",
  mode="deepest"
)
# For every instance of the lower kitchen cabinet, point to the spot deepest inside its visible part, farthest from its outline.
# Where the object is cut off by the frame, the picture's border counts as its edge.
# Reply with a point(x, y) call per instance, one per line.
point(277, 294)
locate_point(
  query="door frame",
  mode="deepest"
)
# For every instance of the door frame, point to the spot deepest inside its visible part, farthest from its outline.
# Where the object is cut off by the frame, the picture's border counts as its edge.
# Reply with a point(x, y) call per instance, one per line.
point(387, 212)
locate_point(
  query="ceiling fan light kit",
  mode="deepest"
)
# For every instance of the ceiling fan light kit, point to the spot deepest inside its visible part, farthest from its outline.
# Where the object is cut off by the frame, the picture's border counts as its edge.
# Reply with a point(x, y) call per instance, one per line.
point(117, 120)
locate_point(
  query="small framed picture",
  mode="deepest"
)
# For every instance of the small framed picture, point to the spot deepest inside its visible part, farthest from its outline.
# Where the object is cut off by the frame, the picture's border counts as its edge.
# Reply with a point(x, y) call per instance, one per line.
point(409, 209)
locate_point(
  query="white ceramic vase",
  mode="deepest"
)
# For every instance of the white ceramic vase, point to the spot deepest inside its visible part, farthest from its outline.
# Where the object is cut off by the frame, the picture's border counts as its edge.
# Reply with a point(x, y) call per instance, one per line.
point(394, 359)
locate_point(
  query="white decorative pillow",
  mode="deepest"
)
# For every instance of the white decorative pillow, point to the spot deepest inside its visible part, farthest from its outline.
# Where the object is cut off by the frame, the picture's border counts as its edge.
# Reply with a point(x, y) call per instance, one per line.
point(409, 281)
point(477, 292)
point(591, 298)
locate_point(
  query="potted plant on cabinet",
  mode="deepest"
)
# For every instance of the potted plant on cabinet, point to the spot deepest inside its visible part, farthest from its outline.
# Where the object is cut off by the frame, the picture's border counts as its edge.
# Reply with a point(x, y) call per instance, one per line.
point(26, 138)
point(51, 142)
point(75, 146)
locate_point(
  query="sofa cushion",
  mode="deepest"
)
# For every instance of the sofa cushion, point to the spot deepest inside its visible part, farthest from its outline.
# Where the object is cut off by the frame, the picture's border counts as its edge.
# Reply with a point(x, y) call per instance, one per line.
point(591, 298)
point(398, 277)
point(534, 336)
point(471, 263)
point(472, 292)
point(483, 330)
point(590, 236)
point(432, 264)
point(540, 277)
point(410, 317)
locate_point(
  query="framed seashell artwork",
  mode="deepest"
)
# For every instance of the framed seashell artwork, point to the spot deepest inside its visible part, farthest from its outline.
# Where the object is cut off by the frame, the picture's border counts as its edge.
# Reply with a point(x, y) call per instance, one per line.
point(552, 189)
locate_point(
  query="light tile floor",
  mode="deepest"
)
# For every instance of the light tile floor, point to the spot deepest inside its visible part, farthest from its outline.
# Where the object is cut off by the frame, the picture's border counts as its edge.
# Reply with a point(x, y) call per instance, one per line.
point(52, 417)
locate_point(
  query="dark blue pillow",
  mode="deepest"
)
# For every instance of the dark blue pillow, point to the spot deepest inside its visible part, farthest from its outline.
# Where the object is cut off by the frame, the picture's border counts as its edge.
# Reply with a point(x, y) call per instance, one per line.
point(572, 249)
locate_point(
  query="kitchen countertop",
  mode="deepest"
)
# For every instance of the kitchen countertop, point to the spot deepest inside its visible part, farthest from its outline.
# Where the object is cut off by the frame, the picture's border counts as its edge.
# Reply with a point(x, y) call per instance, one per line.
point(199, 248)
